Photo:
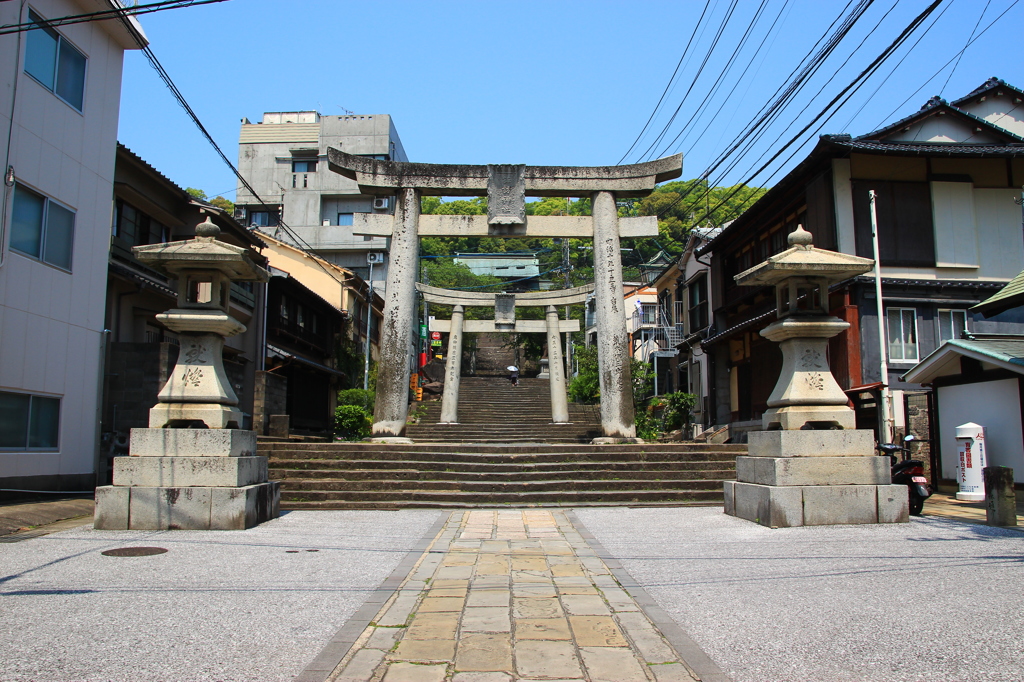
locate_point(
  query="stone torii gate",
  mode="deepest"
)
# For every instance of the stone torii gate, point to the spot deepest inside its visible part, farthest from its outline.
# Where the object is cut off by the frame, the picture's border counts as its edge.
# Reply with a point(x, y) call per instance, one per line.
point(504, 305)
point(506, 187)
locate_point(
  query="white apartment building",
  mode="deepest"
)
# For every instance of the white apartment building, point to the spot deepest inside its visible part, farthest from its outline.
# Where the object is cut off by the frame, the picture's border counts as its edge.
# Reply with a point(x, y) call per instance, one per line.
point(284, 158)
point(59, 98)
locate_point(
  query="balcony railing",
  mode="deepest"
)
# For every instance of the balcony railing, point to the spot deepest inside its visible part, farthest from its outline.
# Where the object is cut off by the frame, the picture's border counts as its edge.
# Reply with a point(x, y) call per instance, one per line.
point(652, 322)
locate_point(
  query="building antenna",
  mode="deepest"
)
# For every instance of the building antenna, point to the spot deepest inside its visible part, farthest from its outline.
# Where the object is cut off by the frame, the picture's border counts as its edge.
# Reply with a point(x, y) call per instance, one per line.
point(345, 110)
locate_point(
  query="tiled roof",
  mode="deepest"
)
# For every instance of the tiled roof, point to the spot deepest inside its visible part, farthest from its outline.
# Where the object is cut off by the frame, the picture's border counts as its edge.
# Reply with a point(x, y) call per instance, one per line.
point(991, 84)
point(930, 148)
point(1010, 296)
point(934, 106)
point(1003, 350)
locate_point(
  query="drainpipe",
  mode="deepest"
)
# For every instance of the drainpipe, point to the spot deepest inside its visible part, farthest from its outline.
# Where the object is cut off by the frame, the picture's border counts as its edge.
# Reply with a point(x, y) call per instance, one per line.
point(8, 169)
point(886, 435)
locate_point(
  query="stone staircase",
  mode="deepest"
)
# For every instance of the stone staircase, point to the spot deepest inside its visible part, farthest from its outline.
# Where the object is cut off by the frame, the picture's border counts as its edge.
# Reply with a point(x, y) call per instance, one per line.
point(369, 476)
point(491, 410)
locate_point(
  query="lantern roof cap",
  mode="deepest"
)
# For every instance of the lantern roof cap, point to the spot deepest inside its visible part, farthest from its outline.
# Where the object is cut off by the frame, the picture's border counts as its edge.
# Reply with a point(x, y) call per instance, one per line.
point(802, 259)
point(204, 252)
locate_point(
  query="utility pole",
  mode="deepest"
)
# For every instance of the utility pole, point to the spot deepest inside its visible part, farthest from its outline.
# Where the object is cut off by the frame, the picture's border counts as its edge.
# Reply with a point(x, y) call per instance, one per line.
point(1020, 202)
point(369, 319)
point(887, 426)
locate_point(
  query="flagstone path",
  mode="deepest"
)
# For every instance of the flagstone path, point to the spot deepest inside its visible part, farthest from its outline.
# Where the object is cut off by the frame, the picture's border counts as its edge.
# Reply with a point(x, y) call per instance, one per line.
point(511, 595)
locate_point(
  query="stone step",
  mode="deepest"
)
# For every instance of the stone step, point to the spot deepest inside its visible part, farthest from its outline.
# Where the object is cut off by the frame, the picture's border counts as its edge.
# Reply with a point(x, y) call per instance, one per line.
point(466, 458)
point(296, 468)
point(516, 487)
point(343, 474)
point(326, 505)
point(289, 497)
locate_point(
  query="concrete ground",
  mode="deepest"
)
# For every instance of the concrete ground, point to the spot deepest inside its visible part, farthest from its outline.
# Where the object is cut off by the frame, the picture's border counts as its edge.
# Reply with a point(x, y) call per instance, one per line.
point(218, 605)
point(936, 599)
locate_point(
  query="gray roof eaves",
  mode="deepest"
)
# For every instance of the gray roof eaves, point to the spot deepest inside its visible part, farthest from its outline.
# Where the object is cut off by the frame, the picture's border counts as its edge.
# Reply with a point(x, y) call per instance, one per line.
point(1007, 353)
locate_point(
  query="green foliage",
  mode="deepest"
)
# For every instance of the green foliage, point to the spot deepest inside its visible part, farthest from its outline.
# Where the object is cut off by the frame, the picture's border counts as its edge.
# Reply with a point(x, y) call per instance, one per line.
point(643, 381)
point(678, 410)
point(351, 422)
point(680, 216)
point(647, 425)
point(218, 201)
point(357, 397)
point(225, 204)
point(585, 387)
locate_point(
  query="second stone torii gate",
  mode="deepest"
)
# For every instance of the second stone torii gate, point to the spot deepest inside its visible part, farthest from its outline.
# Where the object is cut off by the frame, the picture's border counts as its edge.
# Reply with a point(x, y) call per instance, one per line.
point(506, 188)
point(504, 305)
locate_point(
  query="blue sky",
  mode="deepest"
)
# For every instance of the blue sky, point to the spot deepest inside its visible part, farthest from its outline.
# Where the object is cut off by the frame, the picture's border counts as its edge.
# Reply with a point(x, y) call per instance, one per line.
point(562, 83)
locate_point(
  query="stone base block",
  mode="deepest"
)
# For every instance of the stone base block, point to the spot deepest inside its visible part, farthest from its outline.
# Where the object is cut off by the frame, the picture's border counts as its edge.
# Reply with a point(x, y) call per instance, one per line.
point(389, 440)
point(176, 472)
point(111, 508)
point(614, 440)
point(794, 417)
point(186, 508)
point(813, 470)
point(213, 415)
point(788, 506)
point(192, 443)
point(838, 443)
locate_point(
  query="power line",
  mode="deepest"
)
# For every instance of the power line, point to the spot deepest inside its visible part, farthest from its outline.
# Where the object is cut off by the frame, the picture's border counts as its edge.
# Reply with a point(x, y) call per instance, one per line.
point(104, 14)
point(166, 78)
point(783, 95)
point(714, 43)
point(855, 84)
point(669, 84)
point(976, 25)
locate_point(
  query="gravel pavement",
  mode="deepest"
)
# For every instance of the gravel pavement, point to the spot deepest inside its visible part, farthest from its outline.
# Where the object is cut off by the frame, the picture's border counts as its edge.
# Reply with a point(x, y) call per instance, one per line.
point(223, 605)
point(930, 600)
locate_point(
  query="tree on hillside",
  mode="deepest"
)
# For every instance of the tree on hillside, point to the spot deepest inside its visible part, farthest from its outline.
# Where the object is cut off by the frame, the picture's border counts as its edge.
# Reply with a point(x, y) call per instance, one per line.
point(220, 202)
point(680, 204)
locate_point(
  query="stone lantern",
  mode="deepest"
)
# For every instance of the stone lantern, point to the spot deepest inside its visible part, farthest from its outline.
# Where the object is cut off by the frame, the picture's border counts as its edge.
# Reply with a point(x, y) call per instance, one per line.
point(198, 390)
point(810, 465)
point(194, 468)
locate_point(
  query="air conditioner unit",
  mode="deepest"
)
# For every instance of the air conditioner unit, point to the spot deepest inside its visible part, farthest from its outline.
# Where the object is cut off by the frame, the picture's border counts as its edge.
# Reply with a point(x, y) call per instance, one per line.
point(381, 203)
point(375, 257)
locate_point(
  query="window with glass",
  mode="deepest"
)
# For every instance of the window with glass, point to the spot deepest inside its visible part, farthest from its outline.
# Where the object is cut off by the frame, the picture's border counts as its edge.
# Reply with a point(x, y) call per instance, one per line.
point(54, 63)
point(263, 218)
point(303, 165)
point(28, 422)
point(952, 324)
point(137, 228)
point(698, 304)
point(344, 218)
point(41, 228)
point(902, 328)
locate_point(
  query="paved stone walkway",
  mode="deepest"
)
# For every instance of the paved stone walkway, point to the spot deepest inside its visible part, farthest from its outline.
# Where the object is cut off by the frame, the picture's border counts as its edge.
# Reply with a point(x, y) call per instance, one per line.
point(511, 595)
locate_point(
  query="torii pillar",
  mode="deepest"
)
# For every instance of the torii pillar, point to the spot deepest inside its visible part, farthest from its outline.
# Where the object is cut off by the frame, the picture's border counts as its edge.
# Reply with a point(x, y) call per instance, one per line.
point(506, 187)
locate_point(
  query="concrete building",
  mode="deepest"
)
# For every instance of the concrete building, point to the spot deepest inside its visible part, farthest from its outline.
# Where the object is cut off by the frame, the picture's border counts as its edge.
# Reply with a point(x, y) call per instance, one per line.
point(284, 158)
point(950, 236)
point(59, 108)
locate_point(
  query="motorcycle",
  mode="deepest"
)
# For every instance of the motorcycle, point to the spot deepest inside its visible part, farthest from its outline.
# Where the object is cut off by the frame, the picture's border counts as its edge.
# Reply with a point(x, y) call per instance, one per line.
point(908, 472)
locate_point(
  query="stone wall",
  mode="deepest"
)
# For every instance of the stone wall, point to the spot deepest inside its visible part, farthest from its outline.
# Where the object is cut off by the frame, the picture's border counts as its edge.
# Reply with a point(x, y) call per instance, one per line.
point(271, 397)
point(135, 373)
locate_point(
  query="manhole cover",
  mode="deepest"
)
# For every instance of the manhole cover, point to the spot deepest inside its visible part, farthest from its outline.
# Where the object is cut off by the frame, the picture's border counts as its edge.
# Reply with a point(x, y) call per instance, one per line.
point(134, 551)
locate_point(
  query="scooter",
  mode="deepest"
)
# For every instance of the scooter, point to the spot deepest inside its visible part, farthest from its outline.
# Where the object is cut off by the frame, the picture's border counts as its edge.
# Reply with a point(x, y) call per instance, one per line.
point(908, 472)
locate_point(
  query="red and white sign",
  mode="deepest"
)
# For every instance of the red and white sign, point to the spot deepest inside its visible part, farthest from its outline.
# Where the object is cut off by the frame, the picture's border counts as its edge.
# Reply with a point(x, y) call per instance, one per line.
point(435, 335)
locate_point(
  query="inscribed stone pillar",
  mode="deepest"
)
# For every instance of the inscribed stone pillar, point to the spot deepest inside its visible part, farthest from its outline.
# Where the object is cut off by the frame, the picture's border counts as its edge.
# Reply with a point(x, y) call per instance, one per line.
point(453, 369)
point(392, 404)
point(617, 418)
point(559, 403)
